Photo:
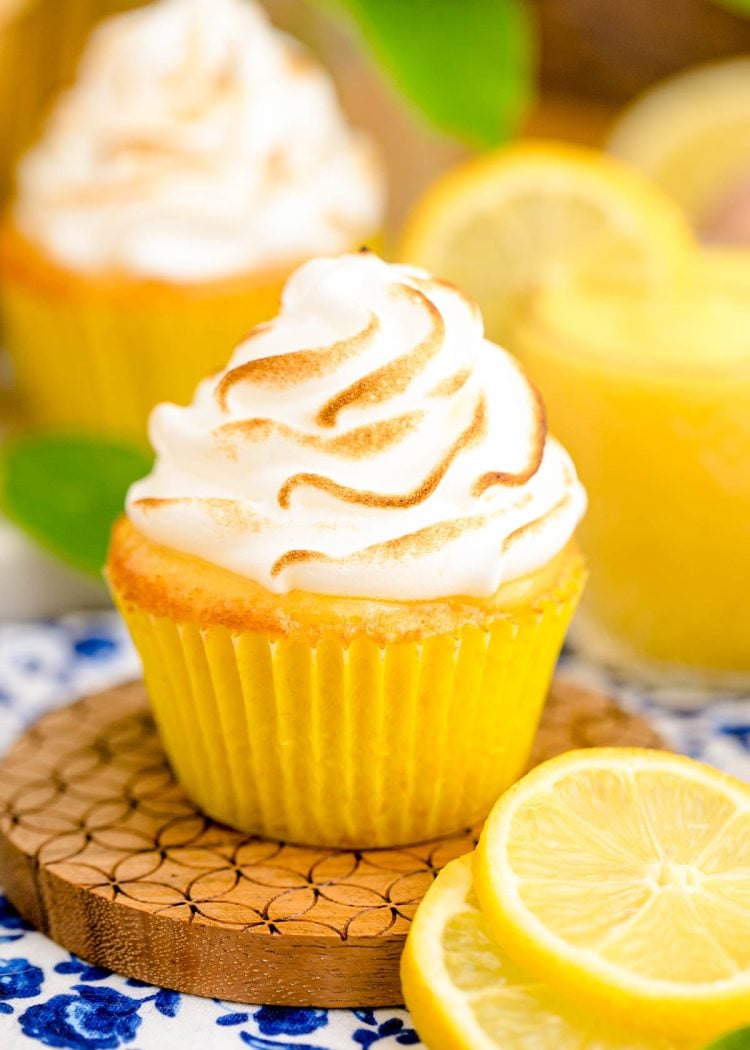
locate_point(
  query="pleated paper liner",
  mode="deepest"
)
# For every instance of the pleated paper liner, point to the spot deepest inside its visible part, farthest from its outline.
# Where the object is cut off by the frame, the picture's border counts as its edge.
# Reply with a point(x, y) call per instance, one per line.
point(101, 849)
point(352, 744)
point(95, 354)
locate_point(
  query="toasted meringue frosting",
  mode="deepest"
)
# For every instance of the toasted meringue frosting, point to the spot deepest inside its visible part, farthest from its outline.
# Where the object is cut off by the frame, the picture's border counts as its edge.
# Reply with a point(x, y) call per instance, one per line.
point(368, 442)
point(198, 142)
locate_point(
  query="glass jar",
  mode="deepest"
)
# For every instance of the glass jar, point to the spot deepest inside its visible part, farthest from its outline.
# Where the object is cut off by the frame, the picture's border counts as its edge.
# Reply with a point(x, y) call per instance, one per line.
point(651, 395)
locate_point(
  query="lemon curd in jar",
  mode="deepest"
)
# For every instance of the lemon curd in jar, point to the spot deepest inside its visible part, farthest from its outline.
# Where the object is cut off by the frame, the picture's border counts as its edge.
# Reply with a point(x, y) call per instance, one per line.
point(652, 397)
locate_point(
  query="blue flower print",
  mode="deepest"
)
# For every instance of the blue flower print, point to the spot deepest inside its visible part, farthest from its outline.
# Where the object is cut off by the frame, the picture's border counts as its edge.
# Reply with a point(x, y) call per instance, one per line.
point(98, 1018)
point(87, 973)
point(167, 1002)
point(11, 921)
point(229, 1020)
point(19, 979)
point(283, 1020)
point(275, 1021)
point(392, 1027)
point(95, 647)
point(740, 733)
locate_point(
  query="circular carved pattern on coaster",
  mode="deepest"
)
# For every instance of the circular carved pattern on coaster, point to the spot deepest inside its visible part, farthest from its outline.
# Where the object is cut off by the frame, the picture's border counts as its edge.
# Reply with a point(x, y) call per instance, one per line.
point(100, 848)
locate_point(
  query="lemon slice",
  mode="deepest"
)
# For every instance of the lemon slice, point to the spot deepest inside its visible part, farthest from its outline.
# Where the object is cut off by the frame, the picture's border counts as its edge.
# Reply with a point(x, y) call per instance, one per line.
point(536, 213)
point(464, 993)
point(622, 878)
point(691, 133)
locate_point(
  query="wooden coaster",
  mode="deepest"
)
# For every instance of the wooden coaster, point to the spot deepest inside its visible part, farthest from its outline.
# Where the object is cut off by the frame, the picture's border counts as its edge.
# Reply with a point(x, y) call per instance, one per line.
point(101, 850)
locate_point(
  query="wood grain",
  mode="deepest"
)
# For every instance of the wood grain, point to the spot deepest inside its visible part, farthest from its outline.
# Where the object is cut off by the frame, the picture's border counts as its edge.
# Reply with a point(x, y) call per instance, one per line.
point(101, 850)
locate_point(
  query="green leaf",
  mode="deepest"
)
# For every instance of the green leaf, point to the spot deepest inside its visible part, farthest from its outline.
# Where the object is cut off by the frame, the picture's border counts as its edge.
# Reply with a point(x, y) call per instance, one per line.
point(467, 64)
point(739, 7)
point(735, 1041)
point(66, 491)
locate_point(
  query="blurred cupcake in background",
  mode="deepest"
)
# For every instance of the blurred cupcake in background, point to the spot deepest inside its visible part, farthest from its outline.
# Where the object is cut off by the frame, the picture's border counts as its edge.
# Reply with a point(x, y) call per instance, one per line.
point(40, 41)
point(200, 156)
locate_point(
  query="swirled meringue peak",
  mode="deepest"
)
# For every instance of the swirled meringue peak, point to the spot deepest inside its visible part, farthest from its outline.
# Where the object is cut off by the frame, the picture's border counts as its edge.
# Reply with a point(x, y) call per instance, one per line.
point(368, 442)
point(198, 142)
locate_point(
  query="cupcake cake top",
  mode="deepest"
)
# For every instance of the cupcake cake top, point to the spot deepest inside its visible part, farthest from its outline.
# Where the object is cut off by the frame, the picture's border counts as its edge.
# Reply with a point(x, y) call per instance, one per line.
point(368, 442)
point(198, 142)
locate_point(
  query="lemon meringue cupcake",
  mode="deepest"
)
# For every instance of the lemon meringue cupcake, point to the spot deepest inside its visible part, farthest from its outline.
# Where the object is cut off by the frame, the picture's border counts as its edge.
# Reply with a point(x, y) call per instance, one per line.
point(40, 41)
point(199, 157)
point(351, 570)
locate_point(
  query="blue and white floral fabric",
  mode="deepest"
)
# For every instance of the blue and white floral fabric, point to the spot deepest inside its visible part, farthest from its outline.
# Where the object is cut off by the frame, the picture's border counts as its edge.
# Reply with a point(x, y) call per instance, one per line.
point(53, 999)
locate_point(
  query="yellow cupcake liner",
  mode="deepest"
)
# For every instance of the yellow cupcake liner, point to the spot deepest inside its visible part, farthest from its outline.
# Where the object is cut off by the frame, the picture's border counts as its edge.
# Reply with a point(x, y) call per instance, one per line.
point(39, 47)
point(99, 362)
point(358, 745)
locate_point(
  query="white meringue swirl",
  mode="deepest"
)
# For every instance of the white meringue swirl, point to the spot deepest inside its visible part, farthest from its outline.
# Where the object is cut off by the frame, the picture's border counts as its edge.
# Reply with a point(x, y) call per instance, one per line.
point(198, 142)
point(369, 442)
